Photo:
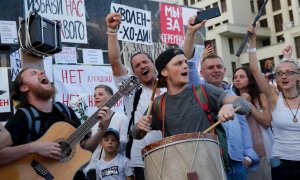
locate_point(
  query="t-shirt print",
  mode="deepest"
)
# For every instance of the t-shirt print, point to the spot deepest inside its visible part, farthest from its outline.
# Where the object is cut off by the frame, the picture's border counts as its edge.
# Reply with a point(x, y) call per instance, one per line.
point(110, 171)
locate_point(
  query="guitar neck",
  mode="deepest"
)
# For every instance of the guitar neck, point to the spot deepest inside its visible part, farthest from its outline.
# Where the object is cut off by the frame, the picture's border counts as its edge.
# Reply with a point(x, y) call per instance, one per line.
point(83, 129)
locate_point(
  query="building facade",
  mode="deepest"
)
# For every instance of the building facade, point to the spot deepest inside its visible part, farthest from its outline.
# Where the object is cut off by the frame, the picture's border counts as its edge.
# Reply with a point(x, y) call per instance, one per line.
point(278, 26)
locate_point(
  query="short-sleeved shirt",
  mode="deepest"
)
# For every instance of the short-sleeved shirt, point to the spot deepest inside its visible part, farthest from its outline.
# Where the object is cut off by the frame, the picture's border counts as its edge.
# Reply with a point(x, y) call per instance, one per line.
point(18, 125)
point(116, 169)
point(184, 114)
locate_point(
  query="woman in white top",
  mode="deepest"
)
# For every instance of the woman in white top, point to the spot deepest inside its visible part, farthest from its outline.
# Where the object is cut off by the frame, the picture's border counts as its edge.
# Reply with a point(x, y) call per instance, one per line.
point(285, 157)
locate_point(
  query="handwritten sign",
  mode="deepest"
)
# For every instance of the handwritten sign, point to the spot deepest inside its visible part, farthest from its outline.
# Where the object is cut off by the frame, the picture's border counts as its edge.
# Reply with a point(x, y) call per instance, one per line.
point(171, 23)
point(71, 14)
point(92, 56)
point(130, 49)
point(4, 91)
point(15, 64)
point(136, 24)
point(67, 55)
point(8, 32)
point(74, 80)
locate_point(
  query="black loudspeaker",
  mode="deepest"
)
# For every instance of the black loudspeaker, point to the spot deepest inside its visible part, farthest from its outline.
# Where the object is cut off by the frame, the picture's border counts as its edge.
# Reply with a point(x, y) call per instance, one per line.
point(40, 36)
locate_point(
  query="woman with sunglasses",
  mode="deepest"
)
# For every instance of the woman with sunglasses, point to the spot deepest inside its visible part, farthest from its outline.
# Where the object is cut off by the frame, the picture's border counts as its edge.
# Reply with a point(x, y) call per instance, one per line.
point(285, 157)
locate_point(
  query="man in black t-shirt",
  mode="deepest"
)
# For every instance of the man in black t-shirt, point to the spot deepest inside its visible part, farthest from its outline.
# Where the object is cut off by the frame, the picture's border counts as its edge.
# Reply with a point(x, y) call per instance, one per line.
point(34, 90)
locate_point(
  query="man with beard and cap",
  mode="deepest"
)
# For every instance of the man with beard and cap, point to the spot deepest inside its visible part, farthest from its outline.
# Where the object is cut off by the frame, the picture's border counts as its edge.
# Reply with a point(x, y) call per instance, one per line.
point(136, 105)
point(36, 94)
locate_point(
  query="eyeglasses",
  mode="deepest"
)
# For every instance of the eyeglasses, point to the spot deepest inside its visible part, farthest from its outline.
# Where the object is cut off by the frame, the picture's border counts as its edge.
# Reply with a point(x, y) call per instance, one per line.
point(287, 73)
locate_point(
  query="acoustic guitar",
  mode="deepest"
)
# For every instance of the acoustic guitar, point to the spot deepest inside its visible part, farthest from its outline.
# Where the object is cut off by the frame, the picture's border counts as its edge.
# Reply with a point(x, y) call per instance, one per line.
point(73, 157)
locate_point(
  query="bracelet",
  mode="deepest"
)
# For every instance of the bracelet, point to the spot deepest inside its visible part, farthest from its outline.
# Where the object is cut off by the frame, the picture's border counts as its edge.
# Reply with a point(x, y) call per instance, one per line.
point(251, 50)
point(110, 30)
point(111, 33)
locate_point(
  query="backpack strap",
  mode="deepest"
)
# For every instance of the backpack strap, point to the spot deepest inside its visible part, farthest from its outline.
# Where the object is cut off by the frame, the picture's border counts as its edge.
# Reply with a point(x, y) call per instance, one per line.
point(202, 99)
point(62, 108)
point(159, 107)
point(34, 124)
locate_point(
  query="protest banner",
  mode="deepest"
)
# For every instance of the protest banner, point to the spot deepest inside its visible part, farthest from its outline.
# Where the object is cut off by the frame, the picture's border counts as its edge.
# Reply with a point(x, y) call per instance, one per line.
point(136, 24)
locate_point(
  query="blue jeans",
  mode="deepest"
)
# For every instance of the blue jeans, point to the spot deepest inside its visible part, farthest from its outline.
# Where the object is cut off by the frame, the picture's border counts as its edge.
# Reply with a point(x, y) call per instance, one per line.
point(236, 171)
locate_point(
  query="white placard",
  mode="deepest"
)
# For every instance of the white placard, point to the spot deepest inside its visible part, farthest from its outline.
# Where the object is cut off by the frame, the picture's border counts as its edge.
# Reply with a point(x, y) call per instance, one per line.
point(8, 32)
point(187, 13)
point(4, 91)
point(92, 56)
point(74, 80)
point(67, 55)
point(15, 64)
point(71, 14)
point(136, 24)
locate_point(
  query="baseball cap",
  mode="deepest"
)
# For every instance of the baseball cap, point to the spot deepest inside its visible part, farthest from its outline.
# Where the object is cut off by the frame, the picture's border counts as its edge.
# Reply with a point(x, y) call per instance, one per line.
point(112, 131)
point(165, 57)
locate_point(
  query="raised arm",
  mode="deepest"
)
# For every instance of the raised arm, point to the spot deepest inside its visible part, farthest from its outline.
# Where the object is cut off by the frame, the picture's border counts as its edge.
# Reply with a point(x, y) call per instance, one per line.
point(263, 84)
point(113, 20)
point(188, 44)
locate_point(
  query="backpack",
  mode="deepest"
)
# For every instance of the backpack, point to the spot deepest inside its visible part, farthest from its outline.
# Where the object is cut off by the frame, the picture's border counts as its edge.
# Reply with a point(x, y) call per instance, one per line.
point(34, 123)
point(200, 94)
point(137, 96)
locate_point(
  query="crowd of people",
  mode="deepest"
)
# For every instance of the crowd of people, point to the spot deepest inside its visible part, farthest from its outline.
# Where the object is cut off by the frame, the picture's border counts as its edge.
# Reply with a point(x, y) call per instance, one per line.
point(259, 142)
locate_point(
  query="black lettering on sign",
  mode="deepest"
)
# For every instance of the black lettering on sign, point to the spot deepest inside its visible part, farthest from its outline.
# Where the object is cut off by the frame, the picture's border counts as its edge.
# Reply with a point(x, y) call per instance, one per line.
point(73, 30)
point(45, 6)
point(134, 34)
point(132, 17)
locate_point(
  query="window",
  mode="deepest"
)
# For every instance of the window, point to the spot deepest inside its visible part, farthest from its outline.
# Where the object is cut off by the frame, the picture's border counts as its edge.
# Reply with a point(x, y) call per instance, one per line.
point(230, 43)
point(223, 5)
point(297, 44)
point(259, 4)
point(289, 2)
point(215, 4)
point(263, 23)
point(192, 2)
point(186, 2)
point(278, 23)
point(233, 66)
point(276, 5)
point(210, 28)
point(207, 7)
point(291, 15)
point(225, 22)
point(252, 6)
point(266, 42)
point(218, 24)
point(299, 2)
point(280, 38)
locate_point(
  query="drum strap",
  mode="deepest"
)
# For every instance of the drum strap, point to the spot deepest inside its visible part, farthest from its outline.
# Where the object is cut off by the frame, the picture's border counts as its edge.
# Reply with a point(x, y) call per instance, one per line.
point(160, 110)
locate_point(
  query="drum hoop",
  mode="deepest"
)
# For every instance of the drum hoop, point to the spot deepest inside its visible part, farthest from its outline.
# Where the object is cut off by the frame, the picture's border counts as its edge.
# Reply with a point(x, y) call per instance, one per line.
point(179, 138)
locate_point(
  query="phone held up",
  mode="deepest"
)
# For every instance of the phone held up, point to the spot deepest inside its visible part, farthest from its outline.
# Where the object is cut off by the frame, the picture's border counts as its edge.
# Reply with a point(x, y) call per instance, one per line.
point(207, 43)
point(207, 14)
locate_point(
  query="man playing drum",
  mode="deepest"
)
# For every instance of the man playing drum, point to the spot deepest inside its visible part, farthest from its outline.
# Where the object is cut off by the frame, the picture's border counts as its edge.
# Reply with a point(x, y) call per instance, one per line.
point(182, 111)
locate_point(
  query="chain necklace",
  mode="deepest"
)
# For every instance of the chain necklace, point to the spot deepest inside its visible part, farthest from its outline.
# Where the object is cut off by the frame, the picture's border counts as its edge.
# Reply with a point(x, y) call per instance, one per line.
point(295, 119)
point(291, 97)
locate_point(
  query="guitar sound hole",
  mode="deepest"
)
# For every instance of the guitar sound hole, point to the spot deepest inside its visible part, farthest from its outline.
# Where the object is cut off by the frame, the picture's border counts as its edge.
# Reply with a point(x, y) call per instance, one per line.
point(67, 151)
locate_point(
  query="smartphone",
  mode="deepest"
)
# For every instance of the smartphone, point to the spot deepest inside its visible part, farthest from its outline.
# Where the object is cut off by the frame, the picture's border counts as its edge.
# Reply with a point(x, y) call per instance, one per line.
point(207, 14)
point(207, 43)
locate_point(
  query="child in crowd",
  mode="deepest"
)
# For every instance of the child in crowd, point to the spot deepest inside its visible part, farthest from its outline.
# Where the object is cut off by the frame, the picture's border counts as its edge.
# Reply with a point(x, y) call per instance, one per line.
point(113, 165)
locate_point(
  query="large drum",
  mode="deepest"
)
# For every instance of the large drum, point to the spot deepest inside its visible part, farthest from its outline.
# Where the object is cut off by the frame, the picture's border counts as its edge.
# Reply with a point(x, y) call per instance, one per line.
point(184, 156)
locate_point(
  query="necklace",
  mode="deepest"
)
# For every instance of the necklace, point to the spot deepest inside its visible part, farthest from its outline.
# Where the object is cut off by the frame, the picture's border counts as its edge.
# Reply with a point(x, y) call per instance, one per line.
point(291, 97)
point(295, 119)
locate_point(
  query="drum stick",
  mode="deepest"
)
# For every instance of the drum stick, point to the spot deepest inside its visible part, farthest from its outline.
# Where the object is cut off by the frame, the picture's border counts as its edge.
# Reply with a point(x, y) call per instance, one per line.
point(152, 97)
point(218, 122)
